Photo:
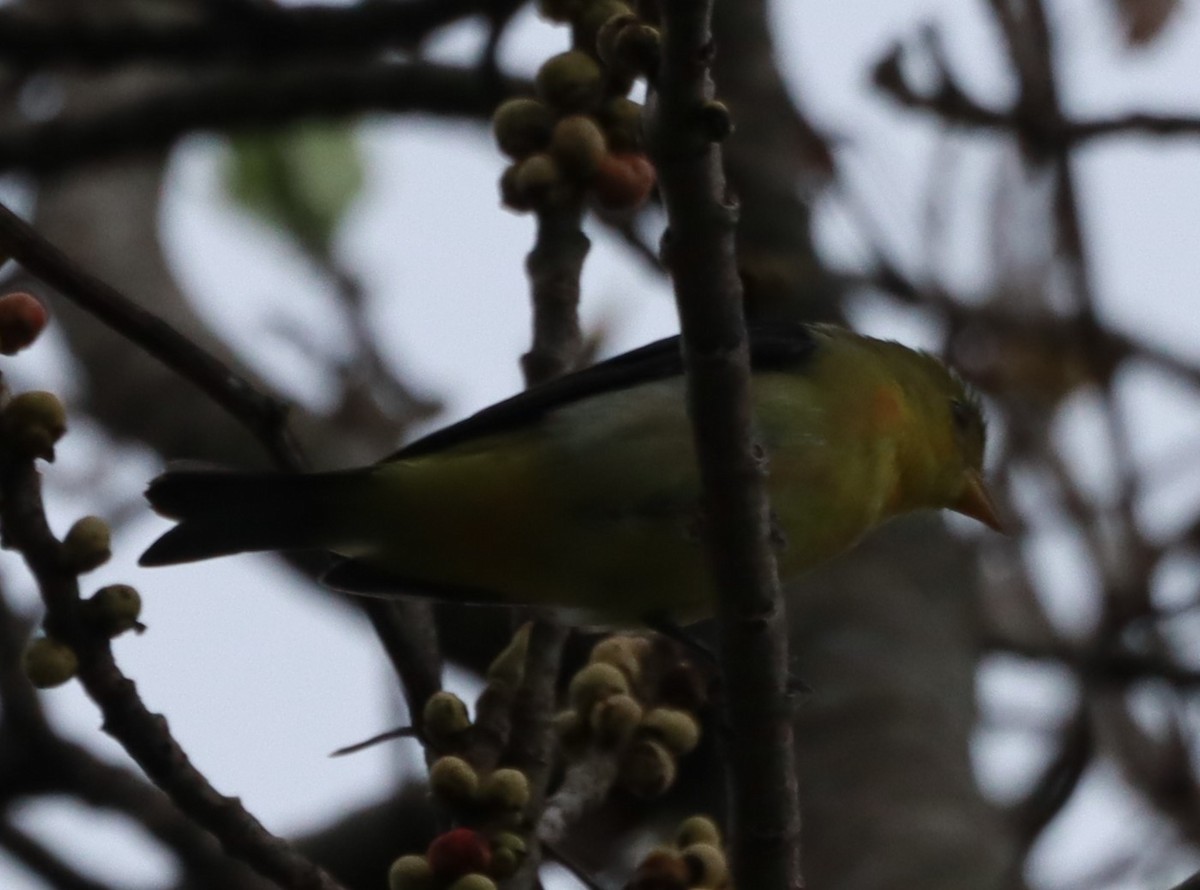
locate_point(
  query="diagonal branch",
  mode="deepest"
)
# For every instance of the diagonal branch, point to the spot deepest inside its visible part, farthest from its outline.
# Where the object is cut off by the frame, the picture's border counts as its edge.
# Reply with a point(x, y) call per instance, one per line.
point(142, 733)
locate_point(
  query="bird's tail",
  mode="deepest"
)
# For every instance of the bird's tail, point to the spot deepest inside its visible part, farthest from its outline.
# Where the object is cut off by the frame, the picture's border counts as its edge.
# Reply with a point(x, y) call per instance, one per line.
point(221, 512)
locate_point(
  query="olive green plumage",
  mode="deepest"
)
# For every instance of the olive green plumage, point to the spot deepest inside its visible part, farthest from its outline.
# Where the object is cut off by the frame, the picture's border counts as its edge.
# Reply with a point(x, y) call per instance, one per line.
point(583, 492)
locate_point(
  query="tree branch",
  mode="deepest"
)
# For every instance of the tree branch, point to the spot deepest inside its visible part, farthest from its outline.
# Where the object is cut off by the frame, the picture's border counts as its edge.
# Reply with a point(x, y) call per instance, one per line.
point(699, 251)
point(252, 98)
point(143, 734)
point(253, 34)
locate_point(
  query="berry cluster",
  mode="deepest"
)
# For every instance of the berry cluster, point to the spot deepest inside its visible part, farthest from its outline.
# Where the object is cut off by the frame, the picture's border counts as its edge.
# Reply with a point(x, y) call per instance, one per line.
point(31, 424)
point(695, 860)
point(635, 697)
point(460, 859)
point(493, 801)
point(582, 134)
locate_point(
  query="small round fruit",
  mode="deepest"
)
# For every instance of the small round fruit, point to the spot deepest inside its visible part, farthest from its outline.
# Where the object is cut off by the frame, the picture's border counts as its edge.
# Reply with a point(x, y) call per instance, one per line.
point(707, 866)
point(615, 720)
point(648, 769)
point(410, 873)
point(22, 319)
point(458, 852)
point(697, 830)
point(444, 717)
point(638, 47)
point(453, 780)
point(539, 181)
point(34, 421)
point(506, 790)
point(88, 544)
point(522, 126)
point(577, 145)
point(623, 181)
point(570, 81)
point(115, 608)
point(48, 663)
point(620, 651)
point(508, 852)
point(621, 118)
point(678, 730)
point(596, 682)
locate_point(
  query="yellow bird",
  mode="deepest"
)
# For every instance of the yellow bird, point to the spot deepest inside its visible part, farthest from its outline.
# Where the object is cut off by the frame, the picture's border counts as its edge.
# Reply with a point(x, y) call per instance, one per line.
point(583, 491)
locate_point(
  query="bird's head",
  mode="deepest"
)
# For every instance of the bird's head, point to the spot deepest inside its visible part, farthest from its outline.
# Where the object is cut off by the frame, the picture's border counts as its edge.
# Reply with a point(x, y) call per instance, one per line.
point(944, 440)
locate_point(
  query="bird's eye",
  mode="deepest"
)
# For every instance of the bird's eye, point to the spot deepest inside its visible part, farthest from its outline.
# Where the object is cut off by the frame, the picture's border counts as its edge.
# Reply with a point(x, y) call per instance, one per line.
point(962, 414)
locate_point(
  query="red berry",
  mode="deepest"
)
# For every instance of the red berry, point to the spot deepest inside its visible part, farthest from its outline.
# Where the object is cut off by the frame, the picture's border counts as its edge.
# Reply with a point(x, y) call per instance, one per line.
point(623, 180)
point(22, 318)
point(458, 852)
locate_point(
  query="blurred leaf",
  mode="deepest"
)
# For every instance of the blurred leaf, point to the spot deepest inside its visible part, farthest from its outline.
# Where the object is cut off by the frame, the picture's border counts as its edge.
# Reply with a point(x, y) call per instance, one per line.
point(1144, 20)
point(302, 179)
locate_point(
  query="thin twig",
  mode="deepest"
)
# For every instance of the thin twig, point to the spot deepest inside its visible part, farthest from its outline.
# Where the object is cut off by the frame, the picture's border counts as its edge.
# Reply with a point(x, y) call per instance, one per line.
point(263, 415)
point(43, 862)
point(951, 104)
point(143, 734)
point(699, 252)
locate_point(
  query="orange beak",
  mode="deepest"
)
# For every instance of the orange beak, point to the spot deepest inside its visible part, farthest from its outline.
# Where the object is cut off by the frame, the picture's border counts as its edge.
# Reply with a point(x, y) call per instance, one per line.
point(977, 503)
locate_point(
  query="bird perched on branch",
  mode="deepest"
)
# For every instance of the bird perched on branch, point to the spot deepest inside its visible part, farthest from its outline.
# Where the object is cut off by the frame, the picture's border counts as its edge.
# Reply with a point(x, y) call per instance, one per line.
point(584, 491)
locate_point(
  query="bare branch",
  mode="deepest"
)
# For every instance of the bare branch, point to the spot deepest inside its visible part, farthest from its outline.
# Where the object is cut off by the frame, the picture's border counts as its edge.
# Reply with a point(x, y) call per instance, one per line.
point(250, 98)
point(255, 33)
point(699, 251)
point(143, 734)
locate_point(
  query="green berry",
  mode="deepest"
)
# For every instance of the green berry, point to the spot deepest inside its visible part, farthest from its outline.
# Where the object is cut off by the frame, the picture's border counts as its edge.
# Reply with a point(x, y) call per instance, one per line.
point(444, 717)
point(622, 122)
point(115, 609)
point(594, 16)
point(522, 126)
point(88, 544)
point(697, 830)
point(596, 682)
point(453, 780)
point(48, 663)
point(615, 720)
point(510, 194)
point(410, 873)
point(707, 866)
point(570, 81)
point(473, 881)
point(578, 145)
point(648, 769)
point(606, 36)
point(638, 47)
point(508, 852)
point(505, 790)
point(540, 182)
point(621, 652)
point(34, 422)
point(678, 730)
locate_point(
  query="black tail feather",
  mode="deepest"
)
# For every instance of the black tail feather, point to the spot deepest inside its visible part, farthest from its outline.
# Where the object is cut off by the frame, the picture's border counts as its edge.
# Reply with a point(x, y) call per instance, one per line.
point(222, 513)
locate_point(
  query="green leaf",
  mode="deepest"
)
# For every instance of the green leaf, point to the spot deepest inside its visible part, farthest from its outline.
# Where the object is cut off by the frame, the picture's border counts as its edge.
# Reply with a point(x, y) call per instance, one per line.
point(301, 179)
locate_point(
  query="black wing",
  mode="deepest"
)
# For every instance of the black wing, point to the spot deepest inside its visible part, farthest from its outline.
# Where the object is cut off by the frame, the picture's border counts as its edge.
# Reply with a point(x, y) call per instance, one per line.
point(772, 347)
